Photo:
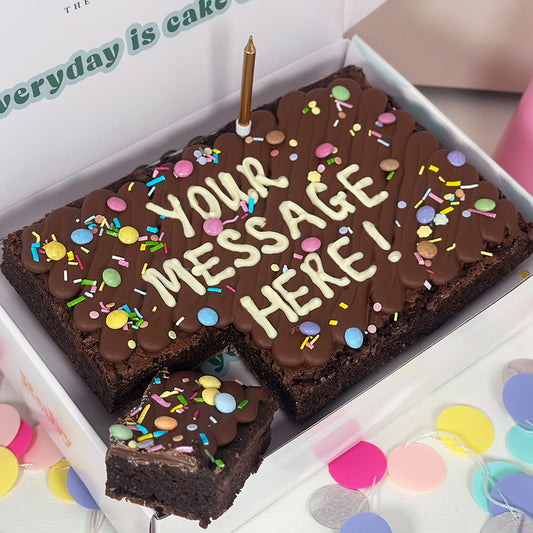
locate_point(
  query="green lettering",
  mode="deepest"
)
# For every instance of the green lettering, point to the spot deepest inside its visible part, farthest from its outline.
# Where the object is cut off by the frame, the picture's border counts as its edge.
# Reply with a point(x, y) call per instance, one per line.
point(173, 24)
point(94, 62)
point(36, 87)
point(21, 96)
point(189, 17)
point(4, 103)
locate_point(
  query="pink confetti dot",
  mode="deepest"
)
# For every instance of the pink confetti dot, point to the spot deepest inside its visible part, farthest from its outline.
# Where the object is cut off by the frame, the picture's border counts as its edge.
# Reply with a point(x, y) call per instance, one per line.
point(362, 466)
point(42, 452)
point(22, 440)
point(372, 328)
point(9, 423)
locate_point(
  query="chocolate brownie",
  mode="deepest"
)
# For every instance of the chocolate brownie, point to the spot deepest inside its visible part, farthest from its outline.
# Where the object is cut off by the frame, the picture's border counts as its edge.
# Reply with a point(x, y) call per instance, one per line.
point(335, 235)
point(190, 445)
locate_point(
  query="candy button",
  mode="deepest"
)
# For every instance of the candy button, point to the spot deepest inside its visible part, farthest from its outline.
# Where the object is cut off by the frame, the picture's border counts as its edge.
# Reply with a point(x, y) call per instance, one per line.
point(81, 236)
point(183, 168)
point(116, 319)
point(456, 158)
point(339, 92)
point(116, 204)
point(10, 423)
point(55, 251)
point(111, 277)
point(225, 402)
point(78, 491)
point(274, 137)
point(353, 337)
point(22, 440)
point(426, 249)
point(120, 432)
point(165, 423)
point(9, 470)
point(128, 235)
point(213, 226)
point(425, 214)
point(324, 150)
point(311, 244)
point(192, 427)
point(389, 165)
point(309, 328)
point(208, 395)
point(485, 204)
point(387, 118)
point(209, 382)
point(313, 176)
point(42, 452)
point(207, 316)
point(57, 480)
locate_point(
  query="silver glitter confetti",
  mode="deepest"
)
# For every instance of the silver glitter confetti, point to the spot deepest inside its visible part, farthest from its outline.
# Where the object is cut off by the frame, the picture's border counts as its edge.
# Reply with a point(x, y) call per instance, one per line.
point(508, 523)
point(518, 366)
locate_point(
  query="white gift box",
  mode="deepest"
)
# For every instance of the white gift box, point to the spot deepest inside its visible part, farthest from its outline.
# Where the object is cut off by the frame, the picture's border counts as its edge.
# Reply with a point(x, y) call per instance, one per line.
point(101, 89)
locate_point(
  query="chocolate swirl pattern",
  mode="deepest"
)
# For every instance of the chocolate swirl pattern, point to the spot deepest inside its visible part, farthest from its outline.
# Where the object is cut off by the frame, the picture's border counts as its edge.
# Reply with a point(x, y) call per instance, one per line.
point(326, 215)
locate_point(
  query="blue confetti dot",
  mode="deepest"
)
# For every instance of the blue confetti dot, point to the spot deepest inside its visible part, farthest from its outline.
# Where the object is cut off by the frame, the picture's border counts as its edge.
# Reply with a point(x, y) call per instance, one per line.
point(225, 402)
point(456, 158)
point(207, 316)
point(353, 337)
point(81, 236)
point(425, 214)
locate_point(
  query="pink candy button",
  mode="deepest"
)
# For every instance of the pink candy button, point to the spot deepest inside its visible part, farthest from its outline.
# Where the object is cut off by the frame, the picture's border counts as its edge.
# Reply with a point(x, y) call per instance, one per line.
point(116, 204)
point(213, 226)
point(311, 244)
point(387, 118)
point(324, 150)
point(183, 168)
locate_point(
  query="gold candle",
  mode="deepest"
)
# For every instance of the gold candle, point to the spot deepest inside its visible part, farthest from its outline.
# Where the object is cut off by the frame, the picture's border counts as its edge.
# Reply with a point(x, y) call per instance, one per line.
point(246, 84)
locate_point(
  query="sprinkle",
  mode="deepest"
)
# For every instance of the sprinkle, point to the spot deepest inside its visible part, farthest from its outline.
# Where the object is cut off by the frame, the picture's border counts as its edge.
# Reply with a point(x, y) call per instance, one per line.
point(333, 322)
point(452, 247)
point(341, 103)
point(160, 400)
point(491, 215)
point(184, 449)
point(375, 133)
point(242, 404)
point(145, 437)
point(436, 198)
point(81, 266)
point(336, 123)
point(213, 419)
point(395, 317)
point(142, 429)
point(397, 223)
point(433, 168)
point(116, 222)
point(157, 381)
point(143, 413)
point(489, 254)
point(211, 458)
point(469, 186)
point(419, 258)
point(250, 205)
point(155, 181)
point(302, 346)
point(143, 270)
point(230, 288)
point(65, 275)
point(389, 175)
point(152, 229)
point(72, 303)
point(139, 292)
point(156, 247)
point(343, 305)
point(314, 339)
point(204, 439)
point(159, 433)
point(426, 194)
point(446, 211)
point(309, 345)
point(258, 138)
point(436, 240)
point(213, 289)
point(179, 321)
point(155, 448)
point(182, 399)
point(453, 184)
point(220, 463)
point(421, 170)
point(384, 143)
point(417, 205)
point(297, 256)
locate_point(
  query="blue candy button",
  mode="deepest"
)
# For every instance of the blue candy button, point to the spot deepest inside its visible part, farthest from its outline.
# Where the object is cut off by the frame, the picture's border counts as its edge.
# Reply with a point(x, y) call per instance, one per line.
point(353, 337)
point(81, 236)
point(207, 316)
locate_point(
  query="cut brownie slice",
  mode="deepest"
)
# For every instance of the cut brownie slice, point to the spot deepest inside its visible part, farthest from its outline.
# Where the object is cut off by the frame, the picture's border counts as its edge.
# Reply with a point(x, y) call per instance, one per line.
point(190, 445)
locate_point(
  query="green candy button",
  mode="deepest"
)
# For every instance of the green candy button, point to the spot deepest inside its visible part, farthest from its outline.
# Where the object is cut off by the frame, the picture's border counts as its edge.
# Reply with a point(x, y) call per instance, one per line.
point(485, 204)
point(340, 92)
point(111, 277)
point(120, 432)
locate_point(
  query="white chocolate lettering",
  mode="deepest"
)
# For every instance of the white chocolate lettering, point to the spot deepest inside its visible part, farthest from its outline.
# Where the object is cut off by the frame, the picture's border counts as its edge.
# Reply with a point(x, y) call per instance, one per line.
point(177, 213)
point(321, 278)
point(345, 263)
point(292, 296)
point(371, 229)
point(255, 174)
point(202, 269)
point(225, 239)
point(288, 207)
point(260, 315)
point(339, 200)
point(212, 203)
point(174, 271)
point(234, 195)
point(281, 241)
point(357, 188)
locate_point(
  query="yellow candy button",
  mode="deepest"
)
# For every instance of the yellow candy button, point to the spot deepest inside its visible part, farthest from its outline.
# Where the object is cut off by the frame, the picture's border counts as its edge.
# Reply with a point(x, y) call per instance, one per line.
point(208, 395)
point(57, 480)
point(469, 425)
point(9, 470)
point(128, 235)
point(55, 250)
point(116, 319)
point(209, 382)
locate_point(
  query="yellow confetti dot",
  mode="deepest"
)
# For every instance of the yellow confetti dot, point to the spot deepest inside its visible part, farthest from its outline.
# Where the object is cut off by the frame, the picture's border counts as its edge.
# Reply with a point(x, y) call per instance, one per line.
point(356, 126)
point(208, 395)
point(315, 110)
point(470, 426)
point(209, 382)
point(312, 104)
point(57, 480)
point(9, 467)
point(116, 319)
point(128, 235)
point(293, 143)
point(55, 250)
point(132, 344)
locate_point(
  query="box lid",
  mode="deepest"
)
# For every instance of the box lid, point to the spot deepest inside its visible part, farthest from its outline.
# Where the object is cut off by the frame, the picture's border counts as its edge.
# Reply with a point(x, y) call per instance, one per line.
point(82, 80)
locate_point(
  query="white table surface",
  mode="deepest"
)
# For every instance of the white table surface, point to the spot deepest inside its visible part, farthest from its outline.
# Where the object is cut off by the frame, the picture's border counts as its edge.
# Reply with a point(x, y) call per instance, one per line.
point(30, 505)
